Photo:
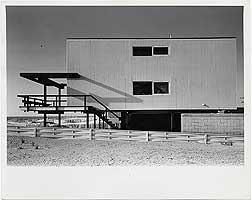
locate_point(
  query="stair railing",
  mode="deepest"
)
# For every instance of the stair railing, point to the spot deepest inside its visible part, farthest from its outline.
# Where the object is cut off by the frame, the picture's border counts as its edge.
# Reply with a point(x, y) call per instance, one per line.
point(36, 102)
point(106, 108)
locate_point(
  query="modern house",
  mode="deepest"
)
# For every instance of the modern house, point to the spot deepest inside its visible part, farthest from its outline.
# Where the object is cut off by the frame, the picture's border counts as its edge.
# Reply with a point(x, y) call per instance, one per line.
point(147, 83)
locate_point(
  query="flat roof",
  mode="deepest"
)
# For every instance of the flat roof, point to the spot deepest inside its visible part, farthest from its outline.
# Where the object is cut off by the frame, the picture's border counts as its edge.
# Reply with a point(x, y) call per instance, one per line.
point(151, 38)
point(50, 75)
point(45, 78)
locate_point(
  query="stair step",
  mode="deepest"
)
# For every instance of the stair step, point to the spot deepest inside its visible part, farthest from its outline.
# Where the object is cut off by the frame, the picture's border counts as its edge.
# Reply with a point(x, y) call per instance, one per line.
point(35, 103)
point(50, 112)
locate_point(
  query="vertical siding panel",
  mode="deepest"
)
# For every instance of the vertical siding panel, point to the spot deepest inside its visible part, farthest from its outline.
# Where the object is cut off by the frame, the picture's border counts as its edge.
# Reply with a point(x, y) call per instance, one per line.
point(199, 71)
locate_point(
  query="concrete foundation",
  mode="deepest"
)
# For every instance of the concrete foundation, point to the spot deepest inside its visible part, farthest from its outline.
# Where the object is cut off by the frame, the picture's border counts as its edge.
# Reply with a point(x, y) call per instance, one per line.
point(213, 123)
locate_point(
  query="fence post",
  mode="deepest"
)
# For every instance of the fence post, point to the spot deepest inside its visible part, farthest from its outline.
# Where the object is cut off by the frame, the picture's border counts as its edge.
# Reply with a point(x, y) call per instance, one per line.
point(166, 135)
point(110, 135)
point(91, 134)
point(225, 140)
point(147, 136)
point(36, 132)
point(54, 131)
point(129, 136)
point(206, 139)
point(18, 129)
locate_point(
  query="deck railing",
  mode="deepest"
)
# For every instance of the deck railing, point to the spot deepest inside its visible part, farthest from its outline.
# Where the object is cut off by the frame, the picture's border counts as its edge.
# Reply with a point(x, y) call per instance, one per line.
point(57, 101)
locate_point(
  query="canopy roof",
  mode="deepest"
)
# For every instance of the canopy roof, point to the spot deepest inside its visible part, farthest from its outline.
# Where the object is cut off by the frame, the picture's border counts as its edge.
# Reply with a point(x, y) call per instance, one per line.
point(45, 78)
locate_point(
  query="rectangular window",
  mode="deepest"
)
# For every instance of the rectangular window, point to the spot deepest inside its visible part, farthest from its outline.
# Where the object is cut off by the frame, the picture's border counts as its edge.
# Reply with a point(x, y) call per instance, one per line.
point(142, 51)
point(161, 87)
point(160, 51)
point(142, 88)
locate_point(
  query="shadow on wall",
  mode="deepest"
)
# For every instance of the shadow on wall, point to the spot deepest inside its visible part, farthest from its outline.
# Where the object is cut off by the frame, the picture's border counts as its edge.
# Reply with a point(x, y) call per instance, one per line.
point(106, 100)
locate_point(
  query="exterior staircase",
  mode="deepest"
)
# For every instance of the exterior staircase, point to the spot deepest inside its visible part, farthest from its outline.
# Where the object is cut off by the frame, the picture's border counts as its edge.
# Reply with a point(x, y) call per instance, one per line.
point(55, 105)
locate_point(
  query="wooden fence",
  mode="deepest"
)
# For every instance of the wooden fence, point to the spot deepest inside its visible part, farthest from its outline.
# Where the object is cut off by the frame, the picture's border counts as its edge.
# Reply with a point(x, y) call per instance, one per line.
point(127, 135)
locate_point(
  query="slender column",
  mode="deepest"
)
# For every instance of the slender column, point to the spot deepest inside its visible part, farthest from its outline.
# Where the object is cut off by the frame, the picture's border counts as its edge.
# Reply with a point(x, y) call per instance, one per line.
point(94, 120)
point(85, 103)
point(103, 125)
point(59, 116)
point(171, 122)
point(87, 120)
point(45, 95)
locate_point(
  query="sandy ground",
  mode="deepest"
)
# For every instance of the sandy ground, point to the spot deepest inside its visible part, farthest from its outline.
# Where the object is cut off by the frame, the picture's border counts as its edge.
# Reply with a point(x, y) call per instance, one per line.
point(76, 152)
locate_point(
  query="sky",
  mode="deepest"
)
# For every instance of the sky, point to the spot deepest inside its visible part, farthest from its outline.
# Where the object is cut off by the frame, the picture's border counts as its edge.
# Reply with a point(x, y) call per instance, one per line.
point(36, 36)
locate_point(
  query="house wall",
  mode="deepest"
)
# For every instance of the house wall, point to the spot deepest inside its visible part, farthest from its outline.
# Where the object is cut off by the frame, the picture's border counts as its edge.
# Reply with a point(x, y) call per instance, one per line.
point(200, 71)
point(213, 123)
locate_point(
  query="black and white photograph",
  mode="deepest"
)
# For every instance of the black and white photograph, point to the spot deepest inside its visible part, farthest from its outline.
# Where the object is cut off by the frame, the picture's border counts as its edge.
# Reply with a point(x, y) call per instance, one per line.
point(125, 86)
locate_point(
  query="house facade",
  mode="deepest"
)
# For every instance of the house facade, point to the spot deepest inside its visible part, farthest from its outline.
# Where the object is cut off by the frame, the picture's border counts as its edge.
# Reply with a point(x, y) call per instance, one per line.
point(155, 80)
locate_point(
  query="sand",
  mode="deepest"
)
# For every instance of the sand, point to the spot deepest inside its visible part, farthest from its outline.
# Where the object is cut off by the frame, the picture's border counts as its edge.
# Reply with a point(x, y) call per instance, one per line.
point(27, 151)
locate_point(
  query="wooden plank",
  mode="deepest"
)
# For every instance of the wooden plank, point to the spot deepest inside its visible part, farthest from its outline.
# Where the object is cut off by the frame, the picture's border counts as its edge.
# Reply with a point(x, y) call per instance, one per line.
point(73, 129)
point(70, 134)
point(16, 125)
point(20, 134)
point(50, 131)
point(225, 136)
point(18, 130)
point(118, 135)
point(50, 136)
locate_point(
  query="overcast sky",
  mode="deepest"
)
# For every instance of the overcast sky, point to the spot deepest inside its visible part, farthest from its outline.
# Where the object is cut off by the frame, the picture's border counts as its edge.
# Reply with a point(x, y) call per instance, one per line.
point(36, 35)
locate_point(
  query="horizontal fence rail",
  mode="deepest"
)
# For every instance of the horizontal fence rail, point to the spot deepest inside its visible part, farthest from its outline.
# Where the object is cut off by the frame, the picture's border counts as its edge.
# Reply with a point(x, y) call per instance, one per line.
point(127, 135)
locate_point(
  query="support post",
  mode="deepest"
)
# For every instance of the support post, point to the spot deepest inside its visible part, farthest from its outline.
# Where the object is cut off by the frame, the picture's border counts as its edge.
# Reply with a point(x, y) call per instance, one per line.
point(85, 103)
point(129, 136)
point(36, 132)
point(147, 136)
point(99, 122)
point(45, 95)
point(28, 104)
point(206, 139)
point(59, 116)
point(94, 120)
point(91, 134)
point(106, 113)
point(171, 122)
point(87, 120)
point(103, 125)
point(54, 129)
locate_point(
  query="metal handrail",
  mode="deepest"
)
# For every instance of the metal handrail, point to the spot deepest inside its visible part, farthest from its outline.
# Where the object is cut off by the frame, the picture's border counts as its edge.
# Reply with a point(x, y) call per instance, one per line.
point(105, 106)
point(54, 95)
point(71, 95)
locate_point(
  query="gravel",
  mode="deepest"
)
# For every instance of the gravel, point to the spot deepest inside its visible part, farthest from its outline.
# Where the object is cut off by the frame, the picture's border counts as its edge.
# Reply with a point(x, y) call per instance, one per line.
point(77, 152)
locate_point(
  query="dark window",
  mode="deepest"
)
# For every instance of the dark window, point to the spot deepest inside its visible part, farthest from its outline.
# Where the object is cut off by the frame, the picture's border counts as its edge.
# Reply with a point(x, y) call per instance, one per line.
point(142, 51)
point(160, 50)
point(161, 87)
point(142, 88)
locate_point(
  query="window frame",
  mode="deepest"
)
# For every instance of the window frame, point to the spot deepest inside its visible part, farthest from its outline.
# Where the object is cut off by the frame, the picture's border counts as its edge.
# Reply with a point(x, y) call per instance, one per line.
point(160, 54)
point(142, 47)
point(161, 94)
point(142, 94)
point(152, 88)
